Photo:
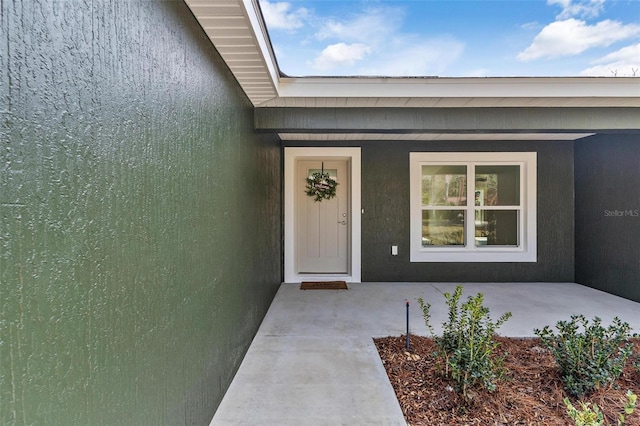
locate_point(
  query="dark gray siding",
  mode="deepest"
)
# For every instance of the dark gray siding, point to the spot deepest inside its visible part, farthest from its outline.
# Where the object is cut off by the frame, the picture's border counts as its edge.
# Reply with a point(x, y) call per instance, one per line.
point(608, 213)
point(385, 200)
point(140, 215)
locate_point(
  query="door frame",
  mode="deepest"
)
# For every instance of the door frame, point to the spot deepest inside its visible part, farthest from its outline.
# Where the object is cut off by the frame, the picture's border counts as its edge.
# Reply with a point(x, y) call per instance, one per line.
point(291, 157)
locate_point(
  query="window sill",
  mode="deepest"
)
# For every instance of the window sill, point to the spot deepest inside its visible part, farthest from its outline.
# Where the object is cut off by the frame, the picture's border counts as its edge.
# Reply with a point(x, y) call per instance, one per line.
point(468, 256)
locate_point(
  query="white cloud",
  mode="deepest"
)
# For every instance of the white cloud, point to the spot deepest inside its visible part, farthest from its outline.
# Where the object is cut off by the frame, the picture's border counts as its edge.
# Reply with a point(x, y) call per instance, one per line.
point(279, 16)
point(531, 25)
point(412, 56)
point(372, 24)
point(340, 54)
point(573, 36)
point(623, 62)
point(579, 8)
point(372, 43)
point(478, 72)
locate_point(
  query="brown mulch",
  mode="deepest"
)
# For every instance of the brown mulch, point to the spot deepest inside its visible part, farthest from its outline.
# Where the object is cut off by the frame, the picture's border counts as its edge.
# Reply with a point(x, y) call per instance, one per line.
point(530, 393)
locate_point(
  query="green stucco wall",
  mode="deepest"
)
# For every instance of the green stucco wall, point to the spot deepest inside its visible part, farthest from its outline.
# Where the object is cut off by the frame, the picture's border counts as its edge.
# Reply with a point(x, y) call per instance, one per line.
point(140, 234)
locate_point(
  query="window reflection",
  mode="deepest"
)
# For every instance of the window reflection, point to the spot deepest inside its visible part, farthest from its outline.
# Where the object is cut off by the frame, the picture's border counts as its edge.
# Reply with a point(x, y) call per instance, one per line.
point(443, 227)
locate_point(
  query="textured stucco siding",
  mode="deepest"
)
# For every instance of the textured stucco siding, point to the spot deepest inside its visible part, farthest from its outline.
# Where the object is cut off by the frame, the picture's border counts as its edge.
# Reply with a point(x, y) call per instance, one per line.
point(140, 215)
point(608, 213)
point(385, 222)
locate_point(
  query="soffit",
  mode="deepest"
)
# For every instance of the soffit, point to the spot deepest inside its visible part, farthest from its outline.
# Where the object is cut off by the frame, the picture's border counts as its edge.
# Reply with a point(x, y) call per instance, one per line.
point(363, 137)
point(236, 30)
point(448, 102)
point(433, 92)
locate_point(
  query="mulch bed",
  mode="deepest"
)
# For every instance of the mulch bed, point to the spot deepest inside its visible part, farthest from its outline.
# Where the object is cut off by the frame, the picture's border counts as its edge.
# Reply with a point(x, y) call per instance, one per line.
point(530, 393)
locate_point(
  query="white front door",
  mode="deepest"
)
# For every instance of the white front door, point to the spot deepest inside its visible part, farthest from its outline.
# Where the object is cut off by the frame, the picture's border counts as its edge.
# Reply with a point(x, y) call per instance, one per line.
point(343, 261)
point(322, 227)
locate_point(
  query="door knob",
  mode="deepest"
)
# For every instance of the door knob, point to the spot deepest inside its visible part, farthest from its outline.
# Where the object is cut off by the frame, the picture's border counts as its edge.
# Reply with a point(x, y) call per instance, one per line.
point(344, 222)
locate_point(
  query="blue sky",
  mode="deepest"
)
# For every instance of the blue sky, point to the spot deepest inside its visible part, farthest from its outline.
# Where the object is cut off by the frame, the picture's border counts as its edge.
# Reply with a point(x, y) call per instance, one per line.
point(455, 38)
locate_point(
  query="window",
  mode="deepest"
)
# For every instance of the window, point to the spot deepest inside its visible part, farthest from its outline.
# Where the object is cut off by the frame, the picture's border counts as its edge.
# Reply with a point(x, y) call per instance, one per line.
point(473, 207)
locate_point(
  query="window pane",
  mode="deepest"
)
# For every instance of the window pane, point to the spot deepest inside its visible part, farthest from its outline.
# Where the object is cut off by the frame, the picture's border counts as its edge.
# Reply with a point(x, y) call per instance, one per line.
point(444, 185)
point(497, 185)
point(443, 227)
point(497, 228)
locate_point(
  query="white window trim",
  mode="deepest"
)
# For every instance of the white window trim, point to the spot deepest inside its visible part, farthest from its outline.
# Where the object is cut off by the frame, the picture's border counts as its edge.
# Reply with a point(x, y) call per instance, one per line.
point(527, 249)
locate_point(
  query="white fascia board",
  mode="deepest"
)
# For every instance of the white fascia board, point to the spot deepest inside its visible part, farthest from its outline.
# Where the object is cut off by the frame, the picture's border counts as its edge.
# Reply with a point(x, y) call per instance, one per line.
point(499, 87)
point(431, 87)
point(252, 13)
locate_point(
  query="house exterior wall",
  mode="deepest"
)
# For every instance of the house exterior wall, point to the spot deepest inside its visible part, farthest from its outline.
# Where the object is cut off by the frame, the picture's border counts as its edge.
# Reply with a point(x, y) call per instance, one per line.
point(608, 213)
point(140, 228)
point(385, 222)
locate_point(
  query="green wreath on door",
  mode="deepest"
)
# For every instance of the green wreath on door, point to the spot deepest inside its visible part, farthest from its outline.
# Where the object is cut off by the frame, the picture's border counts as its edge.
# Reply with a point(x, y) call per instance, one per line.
point(321, 186)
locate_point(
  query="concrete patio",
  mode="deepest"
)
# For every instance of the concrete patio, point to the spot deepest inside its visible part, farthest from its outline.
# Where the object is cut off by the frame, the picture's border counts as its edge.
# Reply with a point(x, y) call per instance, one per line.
point(313, 361)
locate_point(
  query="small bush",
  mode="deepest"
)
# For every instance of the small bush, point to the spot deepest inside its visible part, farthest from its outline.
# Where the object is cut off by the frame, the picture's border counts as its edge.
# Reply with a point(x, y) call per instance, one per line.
point(467, 345)
point(629, 406)
point(587, 416)
point(588, 355)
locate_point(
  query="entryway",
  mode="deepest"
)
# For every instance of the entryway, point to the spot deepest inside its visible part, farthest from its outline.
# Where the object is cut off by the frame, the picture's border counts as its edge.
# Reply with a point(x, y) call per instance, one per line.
point(313, 360)
point(322, 238)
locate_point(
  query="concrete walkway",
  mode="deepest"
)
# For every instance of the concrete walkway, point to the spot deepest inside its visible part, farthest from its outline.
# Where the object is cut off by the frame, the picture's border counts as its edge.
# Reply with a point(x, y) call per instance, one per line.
point(313, 361)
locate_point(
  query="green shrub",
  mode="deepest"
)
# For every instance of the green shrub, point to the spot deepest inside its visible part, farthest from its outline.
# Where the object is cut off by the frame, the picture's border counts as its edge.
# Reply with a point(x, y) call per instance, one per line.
point(629, 406)
point(588, 355)
point(467, 345)
point(587, 416)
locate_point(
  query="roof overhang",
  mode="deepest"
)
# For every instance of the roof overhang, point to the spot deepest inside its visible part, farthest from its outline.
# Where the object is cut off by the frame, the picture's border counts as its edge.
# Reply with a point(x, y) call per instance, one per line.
point(237, 30)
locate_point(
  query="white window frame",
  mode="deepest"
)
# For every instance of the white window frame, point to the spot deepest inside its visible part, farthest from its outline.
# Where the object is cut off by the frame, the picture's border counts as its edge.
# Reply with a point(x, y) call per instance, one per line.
point(526, 251)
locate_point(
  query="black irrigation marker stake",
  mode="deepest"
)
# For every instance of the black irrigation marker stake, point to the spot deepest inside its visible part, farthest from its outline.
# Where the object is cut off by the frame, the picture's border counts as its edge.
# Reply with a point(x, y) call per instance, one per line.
point(407, 325)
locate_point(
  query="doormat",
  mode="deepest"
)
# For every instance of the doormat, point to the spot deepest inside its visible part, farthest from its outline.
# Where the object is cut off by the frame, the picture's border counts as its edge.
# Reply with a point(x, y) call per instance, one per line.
point(323, 285)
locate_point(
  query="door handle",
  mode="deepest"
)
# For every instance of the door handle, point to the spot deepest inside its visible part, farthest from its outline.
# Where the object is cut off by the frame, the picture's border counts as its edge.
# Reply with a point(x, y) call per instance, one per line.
point(344, 222)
